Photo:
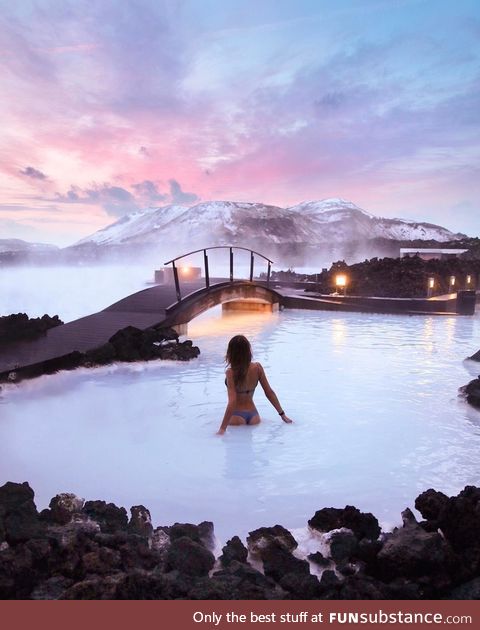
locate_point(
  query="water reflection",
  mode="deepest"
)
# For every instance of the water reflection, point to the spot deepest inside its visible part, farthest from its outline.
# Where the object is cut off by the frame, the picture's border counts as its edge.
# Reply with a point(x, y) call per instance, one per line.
point(375, 407)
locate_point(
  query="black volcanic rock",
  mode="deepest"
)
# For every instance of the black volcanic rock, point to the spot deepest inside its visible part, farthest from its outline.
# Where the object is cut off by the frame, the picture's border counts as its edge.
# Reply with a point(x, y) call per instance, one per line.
point(140, 522)
point(189, 557)
point(19, 326)
point(262, 537)
point(411, 551)
point(110, 517)
point(234, 550)
point(18, 514)
point(92, 552)
point(431, 504)
point(278, 561)
point(128, 344)
point(472, 392)
point(362, 524)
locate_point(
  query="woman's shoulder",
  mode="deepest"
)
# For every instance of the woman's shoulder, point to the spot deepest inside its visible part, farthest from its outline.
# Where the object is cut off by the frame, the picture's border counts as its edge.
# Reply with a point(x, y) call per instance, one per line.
point(257, 366)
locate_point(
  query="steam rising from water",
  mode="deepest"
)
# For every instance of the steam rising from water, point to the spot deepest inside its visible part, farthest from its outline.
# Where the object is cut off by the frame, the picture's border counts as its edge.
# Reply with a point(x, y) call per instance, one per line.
point(374, 399)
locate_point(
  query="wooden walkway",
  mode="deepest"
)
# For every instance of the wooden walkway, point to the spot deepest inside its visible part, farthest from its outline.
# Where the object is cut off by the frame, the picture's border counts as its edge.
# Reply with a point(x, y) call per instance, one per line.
point(143, 309)
point(148, 307)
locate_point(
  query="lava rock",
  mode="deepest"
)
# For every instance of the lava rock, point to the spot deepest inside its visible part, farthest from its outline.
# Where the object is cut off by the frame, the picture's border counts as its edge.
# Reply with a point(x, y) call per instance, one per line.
point(469, 590)
point(18, 514)
point(53, 588)
point(472, 392)
point(264, 536)
point(431, 504)
point(278, 561)
point(363, 587)
point(234, 550)
point(103, 355)
point(343, 544)
point(19, 326)
point(140, 522)
point(110, 517)
point(189, 557)
point(329, 580)
point(412, 552)
point(460, 522)
point(301, 586)
point(363, 525)
point(64, 506)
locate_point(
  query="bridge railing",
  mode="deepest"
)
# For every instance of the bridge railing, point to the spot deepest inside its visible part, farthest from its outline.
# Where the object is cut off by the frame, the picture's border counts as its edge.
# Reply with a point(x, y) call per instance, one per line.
point(253, 253)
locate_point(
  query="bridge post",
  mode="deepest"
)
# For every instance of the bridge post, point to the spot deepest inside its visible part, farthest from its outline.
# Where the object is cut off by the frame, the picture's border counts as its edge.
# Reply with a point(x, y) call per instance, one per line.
point(269, 268)
point(207, 276)
point(177, 284)
point(251, 266)
point(231, 264)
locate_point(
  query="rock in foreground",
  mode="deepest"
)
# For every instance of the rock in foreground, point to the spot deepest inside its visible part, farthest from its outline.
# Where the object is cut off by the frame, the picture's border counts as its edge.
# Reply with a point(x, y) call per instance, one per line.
point(126, 345)
point(93, 550)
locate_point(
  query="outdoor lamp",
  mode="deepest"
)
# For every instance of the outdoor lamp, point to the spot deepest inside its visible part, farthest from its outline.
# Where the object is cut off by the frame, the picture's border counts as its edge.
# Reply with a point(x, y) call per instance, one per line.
point(452, 281)
point(469, 280)
point(430, 287)
point(341, 282)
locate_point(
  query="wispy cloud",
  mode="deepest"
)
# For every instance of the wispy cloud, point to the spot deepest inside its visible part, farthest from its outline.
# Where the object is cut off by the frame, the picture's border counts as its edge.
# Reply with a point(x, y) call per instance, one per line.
point(34, 173)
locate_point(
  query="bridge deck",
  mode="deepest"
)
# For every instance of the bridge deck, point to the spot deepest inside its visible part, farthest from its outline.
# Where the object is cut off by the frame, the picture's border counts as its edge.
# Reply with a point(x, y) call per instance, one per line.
point(147, 308)
point(142, 309)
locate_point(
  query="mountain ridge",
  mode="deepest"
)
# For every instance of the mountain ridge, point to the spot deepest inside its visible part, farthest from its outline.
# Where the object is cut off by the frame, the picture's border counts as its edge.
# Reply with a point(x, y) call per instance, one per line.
point(310, 222)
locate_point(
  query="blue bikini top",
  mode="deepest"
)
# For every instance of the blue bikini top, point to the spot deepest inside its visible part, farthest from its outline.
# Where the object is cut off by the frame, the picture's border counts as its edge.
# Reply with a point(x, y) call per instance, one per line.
point(243, 391)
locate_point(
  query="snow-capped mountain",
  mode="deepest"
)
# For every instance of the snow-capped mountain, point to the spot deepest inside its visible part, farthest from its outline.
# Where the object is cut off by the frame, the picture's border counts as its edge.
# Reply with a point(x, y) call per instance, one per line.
point(17, 245)
point(340, 221)
point(312, 223)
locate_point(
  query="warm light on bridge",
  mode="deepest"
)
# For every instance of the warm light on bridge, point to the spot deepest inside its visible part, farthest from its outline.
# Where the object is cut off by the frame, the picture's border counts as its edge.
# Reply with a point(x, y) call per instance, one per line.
point(452, 282)
point(431, 283)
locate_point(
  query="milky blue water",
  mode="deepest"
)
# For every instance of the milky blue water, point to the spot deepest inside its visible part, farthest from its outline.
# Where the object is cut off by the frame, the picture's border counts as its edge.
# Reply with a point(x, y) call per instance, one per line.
point(374, 398)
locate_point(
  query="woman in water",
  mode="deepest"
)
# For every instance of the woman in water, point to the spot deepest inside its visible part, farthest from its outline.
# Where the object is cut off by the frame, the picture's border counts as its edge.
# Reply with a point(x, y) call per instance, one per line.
point(242, 377)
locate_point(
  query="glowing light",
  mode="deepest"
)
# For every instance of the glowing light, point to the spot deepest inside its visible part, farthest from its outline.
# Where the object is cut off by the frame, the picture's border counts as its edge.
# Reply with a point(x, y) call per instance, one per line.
point(341, 280)
point(469, 279)
point(452, 281)
point(431, 283)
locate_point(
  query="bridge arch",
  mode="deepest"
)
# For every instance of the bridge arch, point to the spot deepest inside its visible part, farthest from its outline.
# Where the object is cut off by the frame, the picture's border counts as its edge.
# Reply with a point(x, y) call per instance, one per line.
point(253, 253)
point(195, 303)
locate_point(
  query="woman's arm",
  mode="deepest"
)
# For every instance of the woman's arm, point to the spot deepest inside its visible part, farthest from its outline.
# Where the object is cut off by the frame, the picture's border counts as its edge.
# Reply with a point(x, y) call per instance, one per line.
point(270, 394)
point(232, 400)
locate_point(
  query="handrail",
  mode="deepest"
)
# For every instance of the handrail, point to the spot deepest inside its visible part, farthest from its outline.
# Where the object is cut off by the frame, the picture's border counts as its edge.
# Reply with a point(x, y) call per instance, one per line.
point(205, 258)
point(202, 249)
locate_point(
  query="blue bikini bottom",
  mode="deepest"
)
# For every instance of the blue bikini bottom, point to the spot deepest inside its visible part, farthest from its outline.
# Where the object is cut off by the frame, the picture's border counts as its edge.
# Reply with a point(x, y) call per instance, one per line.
point(246, 415)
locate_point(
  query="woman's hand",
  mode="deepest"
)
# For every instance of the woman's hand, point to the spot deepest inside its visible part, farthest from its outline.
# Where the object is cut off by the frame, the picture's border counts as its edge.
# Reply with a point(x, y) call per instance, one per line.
point(286, 419)
point(222, 431)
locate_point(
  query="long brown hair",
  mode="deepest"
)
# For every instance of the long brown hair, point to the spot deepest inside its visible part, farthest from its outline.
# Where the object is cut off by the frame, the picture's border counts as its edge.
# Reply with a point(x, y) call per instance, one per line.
point(239, 357)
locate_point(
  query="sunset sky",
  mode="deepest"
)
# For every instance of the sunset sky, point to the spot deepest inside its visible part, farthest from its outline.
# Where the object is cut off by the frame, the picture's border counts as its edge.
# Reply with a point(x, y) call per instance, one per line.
point(112, 105)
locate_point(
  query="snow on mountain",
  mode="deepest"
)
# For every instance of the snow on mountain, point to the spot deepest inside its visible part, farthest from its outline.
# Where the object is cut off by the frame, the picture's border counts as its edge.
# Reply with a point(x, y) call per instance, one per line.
point(253, 224)
point(17, 245)
point(141, 223)
point(337, 220)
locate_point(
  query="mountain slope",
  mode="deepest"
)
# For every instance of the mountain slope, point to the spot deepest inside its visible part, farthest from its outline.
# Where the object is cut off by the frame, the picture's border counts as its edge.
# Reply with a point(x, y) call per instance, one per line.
point(342, 221)
point(314, 223)
point(17, 245)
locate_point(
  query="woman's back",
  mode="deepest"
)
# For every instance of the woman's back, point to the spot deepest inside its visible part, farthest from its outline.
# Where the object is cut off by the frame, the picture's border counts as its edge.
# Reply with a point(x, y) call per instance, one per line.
point(249, 382)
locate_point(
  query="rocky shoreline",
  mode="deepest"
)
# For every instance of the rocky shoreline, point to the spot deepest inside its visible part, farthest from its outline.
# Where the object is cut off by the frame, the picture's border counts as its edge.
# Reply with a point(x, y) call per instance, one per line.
point(19, 326)
point(126, 345)
point(92, 550)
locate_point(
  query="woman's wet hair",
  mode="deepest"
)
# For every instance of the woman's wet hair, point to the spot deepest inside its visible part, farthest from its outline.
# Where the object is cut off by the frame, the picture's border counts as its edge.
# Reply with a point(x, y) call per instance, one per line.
point(239, 357)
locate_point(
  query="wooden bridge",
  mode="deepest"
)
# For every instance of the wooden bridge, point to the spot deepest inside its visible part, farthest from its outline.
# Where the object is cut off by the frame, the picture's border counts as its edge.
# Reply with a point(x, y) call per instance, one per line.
point(177, 304)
